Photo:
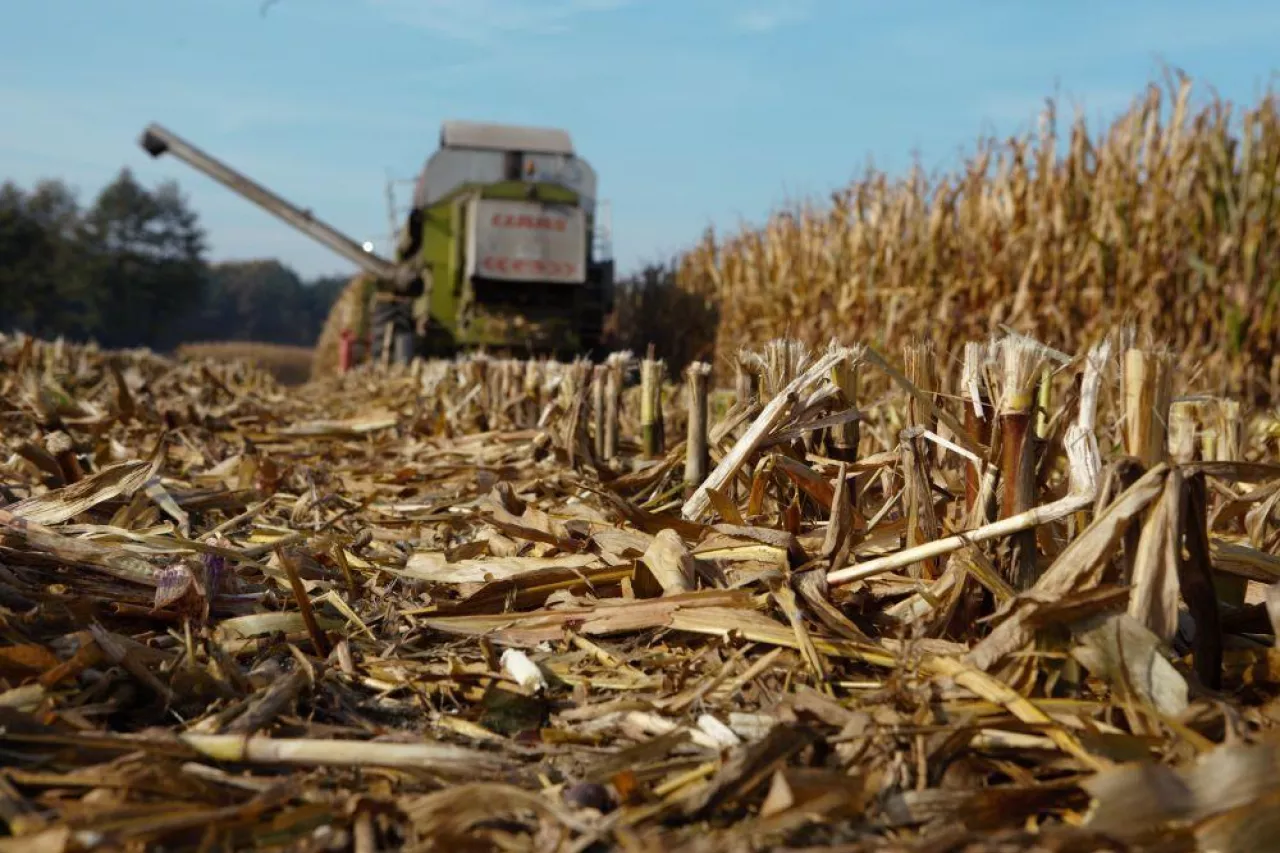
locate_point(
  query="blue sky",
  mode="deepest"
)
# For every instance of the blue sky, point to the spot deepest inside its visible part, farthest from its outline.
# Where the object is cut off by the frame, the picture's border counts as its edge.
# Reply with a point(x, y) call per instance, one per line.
point(694, 112)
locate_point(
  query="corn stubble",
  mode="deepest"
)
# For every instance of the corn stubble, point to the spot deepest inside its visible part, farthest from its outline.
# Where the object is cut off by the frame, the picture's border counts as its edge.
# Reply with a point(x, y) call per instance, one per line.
point(488, 604)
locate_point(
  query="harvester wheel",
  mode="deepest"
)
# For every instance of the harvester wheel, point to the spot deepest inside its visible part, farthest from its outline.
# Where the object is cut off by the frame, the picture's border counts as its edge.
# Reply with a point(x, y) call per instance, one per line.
point(397, 317)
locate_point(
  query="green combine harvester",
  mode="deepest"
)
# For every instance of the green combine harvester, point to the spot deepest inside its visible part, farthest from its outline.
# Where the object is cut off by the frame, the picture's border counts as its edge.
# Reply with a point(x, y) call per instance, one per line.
point(504, 247)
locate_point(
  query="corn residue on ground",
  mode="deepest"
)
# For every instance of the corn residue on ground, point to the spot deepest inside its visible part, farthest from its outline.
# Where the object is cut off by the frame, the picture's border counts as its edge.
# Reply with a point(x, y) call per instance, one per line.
point(289, 365)
point(494, 605)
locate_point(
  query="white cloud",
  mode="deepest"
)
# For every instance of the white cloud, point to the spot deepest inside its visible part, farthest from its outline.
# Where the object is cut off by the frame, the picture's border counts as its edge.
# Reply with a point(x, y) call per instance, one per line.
point(769, 16)
point(482, 21)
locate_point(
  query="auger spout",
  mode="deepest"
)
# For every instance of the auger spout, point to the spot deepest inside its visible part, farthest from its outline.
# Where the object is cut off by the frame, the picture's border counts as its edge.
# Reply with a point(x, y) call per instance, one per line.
point(157, 140)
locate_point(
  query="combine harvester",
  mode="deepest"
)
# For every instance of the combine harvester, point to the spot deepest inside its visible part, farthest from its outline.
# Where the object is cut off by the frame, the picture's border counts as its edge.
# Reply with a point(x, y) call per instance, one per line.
point(503, 249)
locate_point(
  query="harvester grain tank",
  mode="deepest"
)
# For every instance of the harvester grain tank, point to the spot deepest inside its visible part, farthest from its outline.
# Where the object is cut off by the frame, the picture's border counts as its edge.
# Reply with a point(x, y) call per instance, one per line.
point(504, 246)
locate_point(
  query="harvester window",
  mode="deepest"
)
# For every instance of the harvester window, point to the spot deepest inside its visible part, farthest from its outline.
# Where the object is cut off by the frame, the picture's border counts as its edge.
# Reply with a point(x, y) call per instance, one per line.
point(515, 160)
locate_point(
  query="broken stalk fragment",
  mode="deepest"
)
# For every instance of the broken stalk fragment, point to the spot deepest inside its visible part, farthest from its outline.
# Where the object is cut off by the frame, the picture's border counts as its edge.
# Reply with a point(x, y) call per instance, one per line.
point(651, 371)
point(1018, 456)
point(1231, 589)
point(1230, 431)
point(978, 414)
point(697, 453)
point(598, 408)
point(1147, 383)
point(922, 521)
point(843, 439)
point(532, 403)
point(615, 365)
point(920, 366)
point(1182, 432)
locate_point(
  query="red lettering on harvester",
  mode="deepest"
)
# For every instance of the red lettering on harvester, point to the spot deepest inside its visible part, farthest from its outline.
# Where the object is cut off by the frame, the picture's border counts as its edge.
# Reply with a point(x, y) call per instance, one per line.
point(518, 266)
point(528, 222)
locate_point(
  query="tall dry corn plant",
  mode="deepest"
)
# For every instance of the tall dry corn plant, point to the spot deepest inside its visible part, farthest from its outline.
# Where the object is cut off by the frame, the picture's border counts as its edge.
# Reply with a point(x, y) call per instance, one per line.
point(1165, 222)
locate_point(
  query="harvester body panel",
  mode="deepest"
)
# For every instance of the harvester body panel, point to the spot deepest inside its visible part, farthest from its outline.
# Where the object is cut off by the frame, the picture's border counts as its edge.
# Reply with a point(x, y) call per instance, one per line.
point(508, 216)
point(510, 269)
point(521, 240)
point(485, 154)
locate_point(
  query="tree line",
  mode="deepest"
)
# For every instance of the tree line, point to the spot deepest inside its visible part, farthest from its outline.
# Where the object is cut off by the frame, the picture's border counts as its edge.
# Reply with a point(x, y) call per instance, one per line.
point(131, 269)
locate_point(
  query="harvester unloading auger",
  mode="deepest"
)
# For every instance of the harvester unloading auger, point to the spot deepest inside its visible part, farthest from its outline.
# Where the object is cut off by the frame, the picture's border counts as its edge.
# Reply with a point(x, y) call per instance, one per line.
point(503, 248)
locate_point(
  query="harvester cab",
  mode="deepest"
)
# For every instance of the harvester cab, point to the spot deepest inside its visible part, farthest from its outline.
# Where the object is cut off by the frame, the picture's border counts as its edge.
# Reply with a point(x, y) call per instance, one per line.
point(505, 247)
point(507, 221)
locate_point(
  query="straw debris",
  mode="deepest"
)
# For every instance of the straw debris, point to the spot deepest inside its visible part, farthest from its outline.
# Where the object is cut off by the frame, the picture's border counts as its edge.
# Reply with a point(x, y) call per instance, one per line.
point(491, 604)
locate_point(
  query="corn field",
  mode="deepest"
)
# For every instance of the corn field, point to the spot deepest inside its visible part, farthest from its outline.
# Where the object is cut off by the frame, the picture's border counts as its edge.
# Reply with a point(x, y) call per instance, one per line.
point(1165, 221)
